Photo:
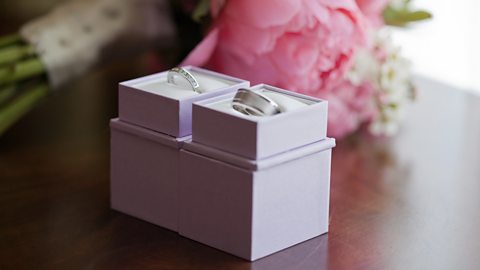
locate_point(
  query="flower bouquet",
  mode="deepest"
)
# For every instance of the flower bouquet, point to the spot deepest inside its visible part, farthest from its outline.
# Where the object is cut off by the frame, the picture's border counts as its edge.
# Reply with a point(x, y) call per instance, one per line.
point(336, 50)
point(340, 51)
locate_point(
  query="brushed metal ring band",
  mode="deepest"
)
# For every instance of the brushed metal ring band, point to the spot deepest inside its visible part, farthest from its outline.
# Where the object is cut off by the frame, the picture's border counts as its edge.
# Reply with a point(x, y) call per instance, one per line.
point(178, 71)
point(251, 102)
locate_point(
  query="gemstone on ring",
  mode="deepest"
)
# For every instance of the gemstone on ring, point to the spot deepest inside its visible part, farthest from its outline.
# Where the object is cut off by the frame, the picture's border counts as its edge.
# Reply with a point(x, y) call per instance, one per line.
point(185, 74)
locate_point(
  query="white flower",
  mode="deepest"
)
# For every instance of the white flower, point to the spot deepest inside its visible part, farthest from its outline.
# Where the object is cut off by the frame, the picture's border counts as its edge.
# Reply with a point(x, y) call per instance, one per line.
point(365, 68)
point(389, 72)
point(395, 73)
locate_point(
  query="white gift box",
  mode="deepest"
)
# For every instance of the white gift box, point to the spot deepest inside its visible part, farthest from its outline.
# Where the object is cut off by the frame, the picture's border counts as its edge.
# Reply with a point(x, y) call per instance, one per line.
point(154, 121)
point(254, 208)
point(153, 103)
point(216, 124)
point(252, 186)
point(144, 173)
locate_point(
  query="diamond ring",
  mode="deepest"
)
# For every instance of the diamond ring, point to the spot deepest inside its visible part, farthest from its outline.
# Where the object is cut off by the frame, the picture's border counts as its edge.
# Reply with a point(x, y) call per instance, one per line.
point(172, 73)
point(251, 102)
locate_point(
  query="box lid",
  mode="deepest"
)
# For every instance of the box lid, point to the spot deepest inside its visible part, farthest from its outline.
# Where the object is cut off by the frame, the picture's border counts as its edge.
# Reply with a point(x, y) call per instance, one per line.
point(153, 103)
point(303, 121)
point(170, 141)
point(255, 164)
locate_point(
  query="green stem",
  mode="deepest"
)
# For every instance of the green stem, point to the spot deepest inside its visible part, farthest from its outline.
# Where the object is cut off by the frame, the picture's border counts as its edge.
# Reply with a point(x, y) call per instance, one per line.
point(21, 70)
point(6, 93)
point(10, 39)
point(10, 113)
point(11, 54)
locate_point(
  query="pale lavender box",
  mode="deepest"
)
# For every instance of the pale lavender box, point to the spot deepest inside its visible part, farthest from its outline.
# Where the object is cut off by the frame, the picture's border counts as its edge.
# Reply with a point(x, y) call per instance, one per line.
point(171, 116)
point(145, 144)
point(254, 186)
point(144, 172)
point(253, 208)
point(262, 137)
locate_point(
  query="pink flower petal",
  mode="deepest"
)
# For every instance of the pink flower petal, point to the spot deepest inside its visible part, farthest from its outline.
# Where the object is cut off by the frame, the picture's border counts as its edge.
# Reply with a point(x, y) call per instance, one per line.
point(263, 13)
point(203, 52)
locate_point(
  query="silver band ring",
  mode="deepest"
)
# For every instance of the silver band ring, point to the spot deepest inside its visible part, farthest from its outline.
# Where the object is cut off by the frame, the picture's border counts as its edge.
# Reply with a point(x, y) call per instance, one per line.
point(251, 102)
point(184, 74)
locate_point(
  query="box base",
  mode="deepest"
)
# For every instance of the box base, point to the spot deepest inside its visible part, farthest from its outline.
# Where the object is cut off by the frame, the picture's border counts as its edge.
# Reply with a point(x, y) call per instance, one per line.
point(144, 174)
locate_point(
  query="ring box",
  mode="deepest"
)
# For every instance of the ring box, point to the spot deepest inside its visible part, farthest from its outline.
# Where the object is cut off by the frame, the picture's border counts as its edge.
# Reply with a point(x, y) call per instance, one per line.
point(262, 198)
point(141, 103)
point(260, 137)
point(154, 122)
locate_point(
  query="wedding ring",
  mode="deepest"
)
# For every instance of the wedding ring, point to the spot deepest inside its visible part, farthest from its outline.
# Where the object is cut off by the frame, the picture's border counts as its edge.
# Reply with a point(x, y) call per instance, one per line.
point(178, 71)
point(251, 102)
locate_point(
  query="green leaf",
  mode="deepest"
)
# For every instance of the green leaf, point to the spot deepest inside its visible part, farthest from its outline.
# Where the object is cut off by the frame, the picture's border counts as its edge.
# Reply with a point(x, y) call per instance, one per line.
point(419, 15)
point(201, 10)
point(404, 16)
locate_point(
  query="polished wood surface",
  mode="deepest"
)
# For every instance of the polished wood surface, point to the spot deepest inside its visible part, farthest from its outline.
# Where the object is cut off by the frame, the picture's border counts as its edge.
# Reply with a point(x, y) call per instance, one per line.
point(410, 202)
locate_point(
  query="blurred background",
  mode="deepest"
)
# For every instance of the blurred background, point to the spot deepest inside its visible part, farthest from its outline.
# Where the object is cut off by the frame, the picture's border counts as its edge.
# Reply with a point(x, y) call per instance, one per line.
point(15, 13)
point(444, 48)
point(447, 47)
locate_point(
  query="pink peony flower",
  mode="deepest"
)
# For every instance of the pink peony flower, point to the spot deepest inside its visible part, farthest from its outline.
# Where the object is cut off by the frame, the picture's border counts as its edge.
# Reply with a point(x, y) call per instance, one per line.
point(301, 45)
point(350, 106)
point(373, 10)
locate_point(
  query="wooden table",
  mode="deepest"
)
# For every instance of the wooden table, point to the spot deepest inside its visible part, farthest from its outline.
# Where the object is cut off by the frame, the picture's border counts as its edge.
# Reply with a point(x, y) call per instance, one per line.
point(411, 202)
